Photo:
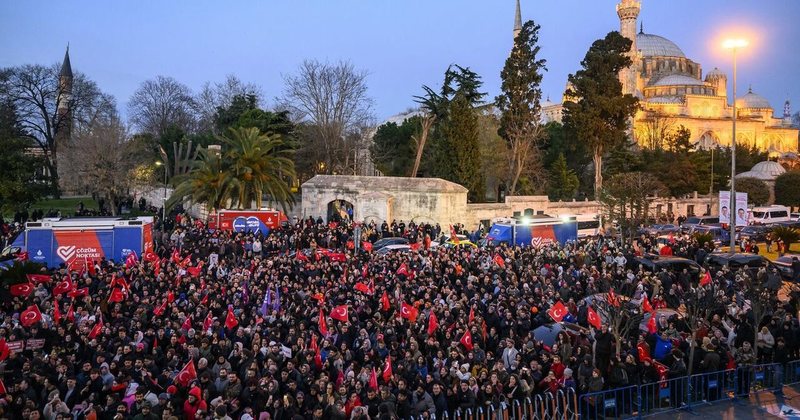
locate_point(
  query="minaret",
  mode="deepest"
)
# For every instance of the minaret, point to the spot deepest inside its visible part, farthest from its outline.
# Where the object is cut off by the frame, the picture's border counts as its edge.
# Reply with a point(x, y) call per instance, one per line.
point(63, 102)
point(517, 21)
point(628, 12)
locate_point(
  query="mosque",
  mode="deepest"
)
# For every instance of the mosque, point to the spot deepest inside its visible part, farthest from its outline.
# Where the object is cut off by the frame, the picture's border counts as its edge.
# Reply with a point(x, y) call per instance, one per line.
point(673, 93)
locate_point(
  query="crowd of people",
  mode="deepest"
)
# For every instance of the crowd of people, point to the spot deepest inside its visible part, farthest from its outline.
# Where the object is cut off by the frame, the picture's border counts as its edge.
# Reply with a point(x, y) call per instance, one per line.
point(302, 324)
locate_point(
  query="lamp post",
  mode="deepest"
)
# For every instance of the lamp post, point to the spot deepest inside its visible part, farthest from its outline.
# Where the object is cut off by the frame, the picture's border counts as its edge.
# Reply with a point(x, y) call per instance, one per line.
point(733, 44)
point(164, 203)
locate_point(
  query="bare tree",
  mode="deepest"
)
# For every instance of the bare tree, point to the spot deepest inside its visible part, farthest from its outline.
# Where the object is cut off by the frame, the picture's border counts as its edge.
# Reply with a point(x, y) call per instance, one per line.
point(619, 314)
point(332, 101)
point(34, 91)
point(220, 95)
point(626, 198)
point(104, 159)
point(654, 133)
point(426, 123)
point(161, 103)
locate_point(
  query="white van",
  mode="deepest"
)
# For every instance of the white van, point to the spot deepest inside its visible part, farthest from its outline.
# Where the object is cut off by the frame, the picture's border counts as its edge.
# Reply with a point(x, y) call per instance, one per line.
point(770, 214)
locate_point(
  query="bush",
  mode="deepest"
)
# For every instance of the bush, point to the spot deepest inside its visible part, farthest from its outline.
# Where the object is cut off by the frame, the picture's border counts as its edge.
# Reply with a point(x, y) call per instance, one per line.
point(704, 238)
point(787, 189)
point(787, 235)
point(757, 191)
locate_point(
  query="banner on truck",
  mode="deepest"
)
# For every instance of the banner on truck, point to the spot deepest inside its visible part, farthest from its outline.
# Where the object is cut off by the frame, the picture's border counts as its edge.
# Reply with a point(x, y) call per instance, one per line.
point(725, 210)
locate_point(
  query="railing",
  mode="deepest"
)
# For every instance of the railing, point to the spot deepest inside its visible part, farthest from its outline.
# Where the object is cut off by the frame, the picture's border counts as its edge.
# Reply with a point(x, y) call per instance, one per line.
point(638, 401)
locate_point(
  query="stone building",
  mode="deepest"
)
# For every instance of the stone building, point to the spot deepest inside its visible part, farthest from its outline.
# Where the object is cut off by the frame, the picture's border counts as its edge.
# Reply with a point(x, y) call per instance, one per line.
point(673, 92)
point(369, 198)
point(767, 171)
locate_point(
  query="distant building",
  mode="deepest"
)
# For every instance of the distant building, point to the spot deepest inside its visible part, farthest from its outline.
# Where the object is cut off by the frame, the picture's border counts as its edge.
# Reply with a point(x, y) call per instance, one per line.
point(673, 93)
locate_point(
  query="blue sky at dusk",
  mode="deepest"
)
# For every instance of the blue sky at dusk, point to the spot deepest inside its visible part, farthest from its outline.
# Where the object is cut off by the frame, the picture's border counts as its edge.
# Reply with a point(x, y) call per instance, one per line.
point(402, 44)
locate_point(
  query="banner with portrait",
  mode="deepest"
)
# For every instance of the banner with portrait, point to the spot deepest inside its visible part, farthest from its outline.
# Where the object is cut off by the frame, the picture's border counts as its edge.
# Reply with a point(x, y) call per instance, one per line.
point(725, 210)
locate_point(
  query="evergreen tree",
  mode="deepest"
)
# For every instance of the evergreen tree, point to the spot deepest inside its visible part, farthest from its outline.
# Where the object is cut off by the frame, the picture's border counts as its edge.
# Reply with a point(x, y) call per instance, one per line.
point(21, 183)
point(787, 189)
point(393, 149)
point(519, 103)
point(598, 112)
point(460, 137)
point(563, 182)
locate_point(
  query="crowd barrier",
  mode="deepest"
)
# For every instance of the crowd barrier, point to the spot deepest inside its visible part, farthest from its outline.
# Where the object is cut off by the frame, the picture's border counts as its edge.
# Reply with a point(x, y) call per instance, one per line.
point(638, 401)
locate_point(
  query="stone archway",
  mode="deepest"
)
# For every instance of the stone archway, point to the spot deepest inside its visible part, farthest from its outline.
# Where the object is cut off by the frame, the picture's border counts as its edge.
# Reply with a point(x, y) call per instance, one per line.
point(340, 210)
point(709, 140)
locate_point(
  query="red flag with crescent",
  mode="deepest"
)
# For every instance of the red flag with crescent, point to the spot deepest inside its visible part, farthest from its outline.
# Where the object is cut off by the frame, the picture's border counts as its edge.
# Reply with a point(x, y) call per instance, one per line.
point(433, 323)
point(409, 312)
point(187, 374)
point(593, 318)
point(21, 290)
point(387, 369)
point(466, 341)
point(339, 313)
point(323, 323)
point(385, 304)
point(30, 316)
point(557, 311)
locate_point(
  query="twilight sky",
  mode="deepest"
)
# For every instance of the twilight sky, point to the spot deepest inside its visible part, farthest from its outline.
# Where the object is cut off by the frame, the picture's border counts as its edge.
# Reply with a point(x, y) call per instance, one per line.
point(402, 44)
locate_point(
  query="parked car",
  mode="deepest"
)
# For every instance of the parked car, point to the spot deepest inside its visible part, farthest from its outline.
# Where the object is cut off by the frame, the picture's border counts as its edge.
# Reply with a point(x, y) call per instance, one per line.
point(784, 265)
point(654, 263)
point(756, 233)
point(698, 221)
point(380, 243)
point(718, 234)
point(393, 248)
point(795, 217)
point(659, 229)
point(717, 260)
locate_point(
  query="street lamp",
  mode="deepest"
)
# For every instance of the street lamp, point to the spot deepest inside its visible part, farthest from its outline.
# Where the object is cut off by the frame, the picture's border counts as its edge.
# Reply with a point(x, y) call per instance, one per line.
point(733, 44)
point(164, 203)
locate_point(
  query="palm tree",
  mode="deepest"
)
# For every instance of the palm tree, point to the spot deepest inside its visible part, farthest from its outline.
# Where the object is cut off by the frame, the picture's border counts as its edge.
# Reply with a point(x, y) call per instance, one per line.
point(252, 164)
point(258, 164)
point(207, 183)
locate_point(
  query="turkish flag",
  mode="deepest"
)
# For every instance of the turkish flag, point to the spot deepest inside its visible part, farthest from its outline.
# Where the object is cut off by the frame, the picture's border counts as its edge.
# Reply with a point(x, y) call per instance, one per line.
point(70, 314)
point(150, 256)
point(117, 295)
point(4, 350)
point(131, 260)
point(187, 374)
point(30, 316)
point(160, 310)
point(22, 289)
point(557, 311)
point(499, 261)
point(230, 320)
point(433, 323)
point(84, 291)
point(187, 324)
point(706, 279)
point(387, 369)
point(646, 306)
point(453, 235)
point(483, 332)
point(409, 312)
point(466, 340)
point(339, 313)
point(208, 321)
point(651, 323)
point(170, 297)
point(363, 288)
point(414, 246)
point(56, 313)
point(22, 256)
point(186, 261)
point(366, 246)
point(593, 318)
point(39, 278)
point(402, 270)
point(323, 324)
point(385, 305)
point(373, 380)
point(471, 315)
point(3, 390)
point(96, 329)
point(176, 256)
point(300, 256)
point(195, 271)
point(63, 286)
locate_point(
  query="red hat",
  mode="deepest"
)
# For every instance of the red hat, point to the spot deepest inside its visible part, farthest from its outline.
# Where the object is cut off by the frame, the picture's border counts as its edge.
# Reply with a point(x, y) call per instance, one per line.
point(172, 390)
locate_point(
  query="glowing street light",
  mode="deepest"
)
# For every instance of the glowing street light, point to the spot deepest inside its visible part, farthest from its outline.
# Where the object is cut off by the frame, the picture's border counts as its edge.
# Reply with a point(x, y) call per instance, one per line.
point(733, 44)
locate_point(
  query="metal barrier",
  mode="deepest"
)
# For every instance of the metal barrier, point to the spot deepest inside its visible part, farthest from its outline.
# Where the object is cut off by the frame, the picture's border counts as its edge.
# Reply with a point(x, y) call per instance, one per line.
point(539, 408)
point(612, 403)
point(791, 373)
point(571, 408)
point(711, 387)
point(757, 378)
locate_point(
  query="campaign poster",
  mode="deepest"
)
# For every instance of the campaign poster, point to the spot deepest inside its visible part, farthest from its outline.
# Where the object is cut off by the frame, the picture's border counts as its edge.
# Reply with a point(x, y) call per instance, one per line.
point(741, 217)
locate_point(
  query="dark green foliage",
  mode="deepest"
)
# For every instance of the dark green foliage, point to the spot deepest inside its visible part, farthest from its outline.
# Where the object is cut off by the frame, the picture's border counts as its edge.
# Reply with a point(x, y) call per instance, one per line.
point(21, 179)
point(757, 191)
point(563, 183)
point(787, 189)
point(16, 273)
point(393, 147)
point(787, 234)
point(598, 113)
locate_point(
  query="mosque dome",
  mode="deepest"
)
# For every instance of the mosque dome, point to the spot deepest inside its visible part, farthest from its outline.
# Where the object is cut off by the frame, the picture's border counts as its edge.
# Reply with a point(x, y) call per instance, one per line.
point(752, 100)
point(657, 46)
point(677, 80)
point(715, 74)
point(765, 171)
